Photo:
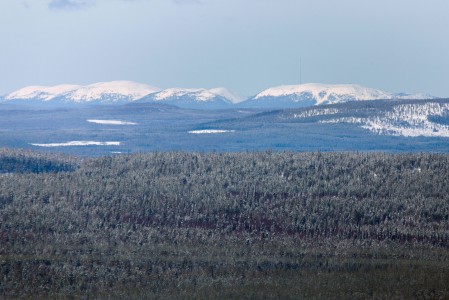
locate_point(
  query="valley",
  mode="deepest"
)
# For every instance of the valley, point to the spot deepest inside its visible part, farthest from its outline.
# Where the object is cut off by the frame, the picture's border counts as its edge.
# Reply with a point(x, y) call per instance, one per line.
point(376, 125)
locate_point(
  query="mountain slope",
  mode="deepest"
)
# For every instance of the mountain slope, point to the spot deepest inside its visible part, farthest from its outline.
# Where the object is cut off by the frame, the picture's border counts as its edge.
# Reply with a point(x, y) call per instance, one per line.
point(102, 92)
point(194, 98)
point(304, 95)
point(124, 91)
point(43, 93)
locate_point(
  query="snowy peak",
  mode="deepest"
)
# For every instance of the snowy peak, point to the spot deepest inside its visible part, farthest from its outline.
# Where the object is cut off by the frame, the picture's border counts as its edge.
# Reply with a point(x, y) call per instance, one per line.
point(123, 92)
point(44, 93)
point(216, 98)
point(200, 95)
point(318, 94)
point(176, 93)
point(107, 92)
point(326, 93)
point(116, 90)
point(287, 96)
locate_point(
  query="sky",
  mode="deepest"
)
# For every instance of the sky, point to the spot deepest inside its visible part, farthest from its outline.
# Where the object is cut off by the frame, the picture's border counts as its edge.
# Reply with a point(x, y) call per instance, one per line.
point(243, 45)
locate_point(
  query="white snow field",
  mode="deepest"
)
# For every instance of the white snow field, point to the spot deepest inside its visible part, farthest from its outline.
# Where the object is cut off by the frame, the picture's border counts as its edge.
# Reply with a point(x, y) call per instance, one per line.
point(78, 143)
point(210, 131)
point(110, 122)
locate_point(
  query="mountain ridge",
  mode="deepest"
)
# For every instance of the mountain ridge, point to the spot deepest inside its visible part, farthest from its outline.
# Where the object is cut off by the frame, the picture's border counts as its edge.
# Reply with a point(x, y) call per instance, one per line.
point(286, 96)
point(216, 98)
point(310, 94)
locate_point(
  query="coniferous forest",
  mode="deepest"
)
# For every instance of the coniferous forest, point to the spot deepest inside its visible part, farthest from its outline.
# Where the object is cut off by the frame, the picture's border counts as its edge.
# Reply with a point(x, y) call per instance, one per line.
point(224, 225)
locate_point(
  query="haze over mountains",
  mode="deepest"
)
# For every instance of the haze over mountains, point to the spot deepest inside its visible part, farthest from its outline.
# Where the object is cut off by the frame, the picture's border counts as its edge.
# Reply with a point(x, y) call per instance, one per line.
point(116, 92)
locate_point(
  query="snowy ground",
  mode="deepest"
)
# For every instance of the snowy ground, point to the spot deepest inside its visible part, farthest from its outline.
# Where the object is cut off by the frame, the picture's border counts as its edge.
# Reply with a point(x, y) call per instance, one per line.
point(408, 120)
point(110, 122)
point(210, 131)
point(78, 143)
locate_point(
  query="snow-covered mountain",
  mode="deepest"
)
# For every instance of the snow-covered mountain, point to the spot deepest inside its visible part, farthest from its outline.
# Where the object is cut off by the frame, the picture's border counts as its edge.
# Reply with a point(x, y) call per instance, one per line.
point(123, 92)
point(194, 98)
point(317, 94)
point(113, 92)
point(43, 93)
point(102, 92)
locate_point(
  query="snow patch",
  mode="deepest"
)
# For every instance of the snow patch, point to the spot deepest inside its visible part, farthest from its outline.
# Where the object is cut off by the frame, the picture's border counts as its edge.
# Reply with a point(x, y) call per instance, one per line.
point(110, 122)
point(78, 143)
point(210, 131)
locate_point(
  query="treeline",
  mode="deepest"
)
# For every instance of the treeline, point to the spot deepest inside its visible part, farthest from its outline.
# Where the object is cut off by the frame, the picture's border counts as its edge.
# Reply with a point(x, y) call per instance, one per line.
point(161, 222)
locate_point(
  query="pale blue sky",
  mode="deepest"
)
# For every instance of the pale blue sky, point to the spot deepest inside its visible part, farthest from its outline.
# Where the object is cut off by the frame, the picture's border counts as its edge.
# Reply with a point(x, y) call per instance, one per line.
point(244, 45)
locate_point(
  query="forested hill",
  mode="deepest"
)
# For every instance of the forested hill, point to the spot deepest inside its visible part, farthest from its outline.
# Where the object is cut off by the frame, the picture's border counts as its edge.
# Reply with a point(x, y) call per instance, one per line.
point(22, 161)
point(227, 225)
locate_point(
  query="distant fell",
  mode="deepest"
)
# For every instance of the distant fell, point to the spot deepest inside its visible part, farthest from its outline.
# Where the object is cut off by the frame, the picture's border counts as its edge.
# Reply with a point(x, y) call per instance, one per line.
point(304, 95)
point(122, 92)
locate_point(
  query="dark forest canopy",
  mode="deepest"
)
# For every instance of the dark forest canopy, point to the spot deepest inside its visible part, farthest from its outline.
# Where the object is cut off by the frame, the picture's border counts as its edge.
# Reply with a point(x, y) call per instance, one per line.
point(173, 224)
point(26, 161)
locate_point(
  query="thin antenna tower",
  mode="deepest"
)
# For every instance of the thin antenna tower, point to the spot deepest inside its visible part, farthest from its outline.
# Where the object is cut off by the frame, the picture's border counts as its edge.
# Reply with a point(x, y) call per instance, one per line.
point(300, 70)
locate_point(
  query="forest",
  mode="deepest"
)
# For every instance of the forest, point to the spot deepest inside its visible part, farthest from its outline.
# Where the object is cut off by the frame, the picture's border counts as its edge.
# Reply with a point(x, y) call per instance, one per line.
point(178, 225)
